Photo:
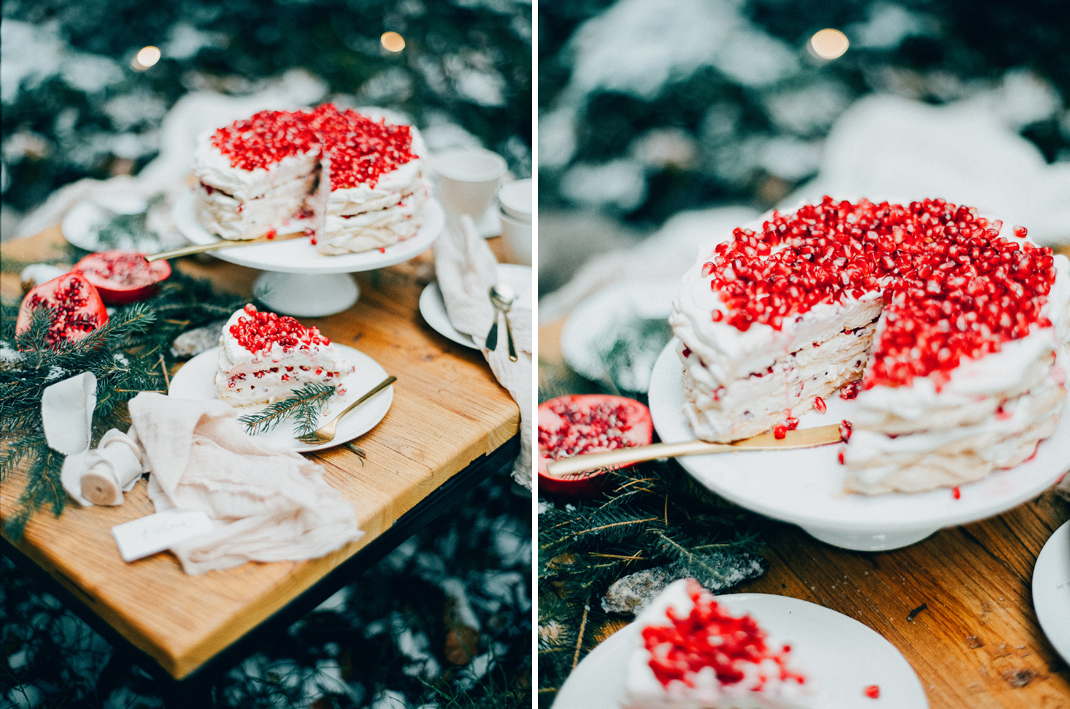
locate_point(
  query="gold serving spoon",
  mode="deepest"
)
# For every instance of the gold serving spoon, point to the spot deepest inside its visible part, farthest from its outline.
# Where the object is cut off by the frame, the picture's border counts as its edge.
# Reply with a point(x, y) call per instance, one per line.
point(801, 438)
point(222, 244)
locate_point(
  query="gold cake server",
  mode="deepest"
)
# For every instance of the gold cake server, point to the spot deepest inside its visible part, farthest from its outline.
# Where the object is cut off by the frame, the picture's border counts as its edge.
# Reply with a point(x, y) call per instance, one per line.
point(222, 244)
point(801, 438)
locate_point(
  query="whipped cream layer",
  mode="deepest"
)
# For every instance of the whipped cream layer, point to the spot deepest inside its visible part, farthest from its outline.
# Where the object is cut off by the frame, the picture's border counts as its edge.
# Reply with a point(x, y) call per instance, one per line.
point(245, 378)
point(989, 414)
point(643, 690)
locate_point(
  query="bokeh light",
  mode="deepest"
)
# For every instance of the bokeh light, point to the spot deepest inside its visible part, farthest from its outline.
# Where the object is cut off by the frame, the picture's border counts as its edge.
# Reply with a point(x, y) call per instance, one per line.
point(392, 42)
point(146, 57)
point(828, 44)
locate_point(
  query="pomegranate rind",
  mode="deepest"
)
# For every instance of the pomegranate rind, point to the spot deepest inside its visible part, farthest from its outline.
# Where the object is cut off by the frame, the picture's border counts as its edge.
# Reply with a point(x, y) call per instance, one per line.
point(139, 284)
point(44, 295)
point(637, 431)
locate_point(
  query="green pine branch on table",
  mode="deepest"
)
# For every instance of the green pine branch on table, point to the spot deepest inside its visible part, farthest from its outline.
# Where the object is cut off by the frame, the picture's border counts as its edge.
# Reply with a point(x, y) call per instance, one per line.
point(304, 406)
point(131, 353)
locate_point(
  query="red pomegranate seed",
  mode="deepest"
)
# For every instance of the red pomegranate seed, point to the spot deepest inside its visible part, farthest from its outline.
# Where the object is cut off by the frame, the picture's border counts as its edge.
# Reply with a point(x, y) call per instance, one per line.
point(270, 235)
point(873, 691)
point(845, 430)
point(819, 404)
point(839, 457)
point(956, 493)
point(849, 391)
point(780, 432)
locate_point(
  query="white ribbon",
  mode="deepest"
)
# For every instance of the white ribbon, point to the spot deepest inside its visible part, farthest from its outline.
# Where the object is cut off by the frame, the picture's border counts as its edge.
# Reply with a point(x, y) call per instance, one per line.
point(91, 477)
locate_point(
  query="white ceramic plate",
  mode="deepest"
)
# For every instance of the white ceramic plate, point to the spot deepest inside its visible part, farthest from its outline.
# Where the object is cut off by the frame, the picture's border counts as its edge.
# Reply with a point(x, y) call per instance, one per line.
point(433, 307)
point(805, 487)
point(196, 380)
point(610, 313)
point(842, 656)
point(1051, 590)
point(300, 256)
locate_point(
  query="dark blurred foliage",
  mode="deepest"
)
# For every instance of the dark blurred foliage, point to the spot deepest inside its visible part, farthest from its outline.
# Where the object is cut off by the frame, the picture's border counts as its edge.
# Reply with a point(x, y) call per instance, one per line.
point(966, 46)
point(253, 40)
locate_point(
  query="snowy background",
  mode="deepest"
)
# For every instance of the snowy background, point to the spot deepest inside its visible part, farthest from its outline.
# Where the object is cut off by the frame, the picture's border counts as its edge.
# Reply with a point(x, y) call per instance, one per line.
point(647, 109)
point(445, 620)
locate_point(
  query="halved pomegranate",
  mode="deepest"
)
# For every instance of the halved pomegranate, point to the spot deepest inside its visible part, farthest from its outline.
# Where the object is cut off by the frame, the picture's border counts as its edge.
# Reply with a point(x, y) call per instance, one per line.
point(123, 276)
point(77, 309)
point(571, 425)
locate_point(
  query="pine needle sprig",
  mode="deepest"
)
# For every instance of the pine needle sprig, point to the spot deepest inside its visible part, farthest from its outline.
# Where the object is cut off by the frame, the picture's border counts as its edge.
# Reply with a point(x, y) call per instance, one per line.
point(128, 355)
point(304, 406)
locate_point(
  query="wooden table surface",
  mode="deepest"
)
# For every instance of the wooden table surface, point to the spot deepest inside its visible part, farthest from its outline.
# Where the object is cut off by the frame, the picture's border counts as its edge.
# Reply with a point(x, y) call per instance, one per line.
point(448, 410)
point(977, 644)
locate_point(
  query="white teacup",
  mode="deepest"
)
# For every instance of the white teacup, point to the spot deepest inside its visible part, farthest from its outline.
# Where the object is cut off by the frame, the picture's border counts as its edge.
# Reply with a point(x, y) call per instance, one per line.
point(468, 179)
point(515, 201)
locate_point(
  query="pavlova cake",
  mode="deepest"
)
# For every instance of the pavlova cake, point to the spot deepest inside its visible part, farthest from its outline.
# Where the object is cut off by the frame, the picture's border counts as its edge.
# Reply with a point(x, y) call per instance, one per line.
point(266, 356)
point(952, 331)
point(693, 654)
point(359, 179)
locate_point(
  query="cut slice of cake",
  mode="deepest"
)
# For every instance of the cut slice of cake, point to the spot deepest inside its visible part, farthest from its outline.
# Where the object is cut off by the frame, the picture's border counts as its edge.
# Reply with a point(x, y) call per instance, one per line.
point(266, 356)
point(693, 654)
point(373, 171)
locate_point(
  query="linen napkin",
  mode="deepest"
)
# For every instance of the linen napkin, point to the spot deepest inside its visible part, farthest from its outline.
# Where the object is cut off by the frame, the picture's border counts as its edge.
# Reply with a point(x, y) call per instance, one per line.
point(269, 504)
point(466, 269)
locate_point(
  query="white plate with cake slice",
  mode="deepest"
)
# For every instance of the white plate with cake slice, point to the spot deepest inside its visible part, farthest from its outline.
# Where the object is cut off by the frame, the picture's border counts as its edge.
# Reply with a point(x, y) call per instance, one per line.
point(1051, 590)
point(299, 255)
point(842, 656)
point(433, 306)
point(805, 487)
point(196, 380)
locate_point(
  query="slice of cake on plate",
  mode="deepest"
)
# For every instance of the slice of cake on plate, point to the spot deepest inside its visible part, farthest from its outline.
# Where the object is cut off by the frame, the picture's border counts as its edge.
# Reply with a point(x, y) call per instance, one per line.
point(954, 336)
point(266, 356)
point(693, 654)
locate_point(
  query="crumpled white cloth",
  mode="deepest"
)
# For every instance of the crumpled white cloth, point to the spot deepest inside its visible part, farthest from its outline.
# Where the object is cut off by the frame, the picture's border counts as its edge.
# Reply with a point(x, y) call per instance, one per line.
point(269, 504)
point(466, 269)
point(273, 504)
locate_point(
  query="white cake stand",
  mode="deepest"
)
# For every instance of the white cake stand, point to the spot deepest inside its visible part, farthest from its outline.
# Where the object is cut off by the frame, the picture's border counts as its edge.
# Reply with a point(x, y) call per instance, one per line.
point(805, 487)
point(298, 280)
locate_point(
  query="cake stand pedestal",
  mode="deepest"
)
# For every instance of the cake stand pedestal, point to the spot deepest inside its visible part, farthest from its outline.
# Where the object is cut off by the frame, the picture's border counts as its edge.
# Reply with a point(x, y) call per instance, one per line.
point(297, 279)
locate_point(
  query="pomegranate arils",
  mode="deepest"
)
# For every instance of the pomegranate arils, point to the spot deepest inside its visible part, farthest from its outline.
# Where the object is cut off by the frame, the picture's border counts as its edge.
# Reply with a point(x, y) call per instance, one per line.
point(362, 150)
point(952, 287)
point(74, 306)
point(260, 331)
point(820, 404)
point(708, 636)
point(873, 691)
point(586, 429)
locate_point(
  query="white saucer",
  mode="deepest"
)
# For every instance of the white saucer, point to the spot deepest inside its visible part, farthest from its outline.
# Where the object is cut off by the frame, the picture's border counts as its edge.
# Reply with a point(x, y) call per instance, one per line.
point(1051, 590)
point(300, 256)
point(805, 487)
point(609, 313)
point(842, 656)
point(433, 307)
point(196, 380)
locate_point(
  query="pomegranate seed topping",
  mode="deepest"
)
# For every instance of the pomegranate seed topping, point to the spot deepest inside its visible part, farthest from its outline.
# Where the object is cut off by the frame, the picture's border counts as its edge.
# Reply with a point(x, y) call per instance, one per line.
point(270, 235)
point(956, 493)
point(259, 331)
point(686, 353)
point(845, 430)
point(708, 637)
point(382, 249)
point(873, 691)
point(820, 405)
point(952, 287)
point(849, 391)
point(780, 432)
point(839, 457)
point(1020, 232)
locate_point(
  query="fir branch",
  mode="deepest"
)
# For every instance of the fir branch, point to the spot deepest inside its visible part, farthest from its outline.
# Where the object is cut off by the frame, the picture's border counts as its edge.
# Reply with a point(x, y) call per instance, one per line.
point(303, 406)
